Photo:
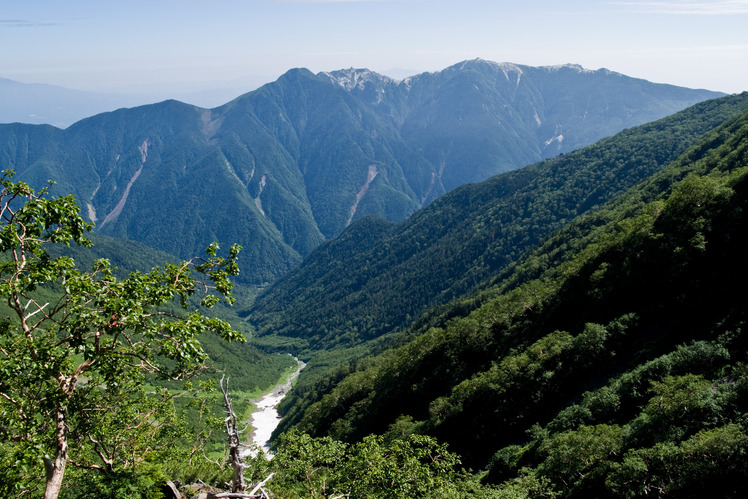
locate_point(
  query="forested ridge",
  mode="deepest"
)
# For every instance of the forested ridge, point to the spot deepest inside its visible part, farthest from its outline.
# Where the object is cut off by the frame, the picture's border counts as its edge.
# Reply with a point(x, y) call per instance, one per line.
point(378, 276)
point(608, 362)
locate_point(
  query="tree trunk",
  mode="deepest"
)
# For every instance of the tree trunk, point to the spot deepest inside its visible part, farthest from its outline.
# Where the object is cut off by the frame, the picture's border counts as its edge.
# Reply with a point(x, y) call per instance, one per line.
point(236, 460)
point(56, 470)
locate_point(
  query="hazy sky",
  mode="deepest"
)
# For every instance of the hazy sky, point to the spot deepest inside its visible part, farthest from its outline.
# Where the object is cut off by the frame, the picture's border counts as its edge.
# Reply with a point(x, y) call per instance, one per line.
point(102, 44)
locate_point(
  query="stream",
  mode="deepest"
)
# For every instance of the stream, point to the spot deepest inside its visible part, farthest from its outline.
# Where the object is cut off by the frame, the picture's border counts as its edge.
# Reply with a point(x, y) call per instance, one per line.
point(265, 418)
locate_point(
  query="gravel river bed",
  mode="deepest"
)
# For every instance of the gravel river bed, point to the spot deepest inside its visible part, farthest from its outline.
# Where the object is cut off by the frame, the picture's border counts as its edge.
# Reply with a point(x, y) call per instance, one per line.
point(265, 418)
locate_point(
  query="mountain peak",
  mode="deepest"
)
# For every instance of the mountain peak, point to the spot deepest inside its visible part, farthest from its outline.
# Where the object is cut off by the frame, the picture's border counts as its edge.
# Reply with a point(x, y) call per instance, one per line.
point(356, 78)
point(578, 68)
point(484, 66)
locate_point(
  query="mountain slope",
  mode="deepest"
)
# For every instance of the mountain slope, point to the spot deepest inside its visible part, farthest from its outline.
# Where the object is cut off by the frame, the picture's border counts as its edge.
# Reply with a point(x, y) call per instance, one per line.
point(283, 168)
point(627, 347)
point(479, 118)
point(376, 278)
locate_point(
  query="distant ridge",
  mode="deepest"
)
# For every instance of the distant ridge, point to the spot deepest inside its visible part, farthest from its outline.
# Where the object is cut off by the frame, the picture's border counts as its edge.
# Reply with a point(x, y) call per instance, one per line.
point(36, 103)
point(289, 165)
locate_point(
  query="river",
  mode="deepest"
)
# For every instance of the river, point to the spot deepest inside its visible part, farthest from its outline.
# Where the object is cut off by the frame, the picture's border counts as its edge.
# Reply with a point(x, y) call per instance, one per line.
point(265, 418)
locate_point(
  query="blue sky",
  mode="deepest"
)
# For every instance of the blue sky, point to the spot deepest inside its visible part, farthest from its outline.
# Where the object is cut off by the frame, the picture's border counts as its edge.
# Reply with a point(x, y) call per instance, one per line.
point(102, 45)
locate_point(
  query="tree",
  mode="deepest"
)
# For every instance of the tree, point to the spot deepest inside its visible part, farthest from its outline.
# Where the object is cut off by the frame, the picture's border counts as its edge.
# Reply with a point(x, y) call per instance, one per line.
point(75, 346)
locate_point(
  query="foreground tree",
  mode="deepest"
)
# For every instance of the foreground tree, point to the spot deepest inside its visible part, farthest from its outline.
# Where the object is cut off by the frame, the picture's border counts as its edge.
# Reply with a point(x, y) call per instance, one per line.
point(75, 346)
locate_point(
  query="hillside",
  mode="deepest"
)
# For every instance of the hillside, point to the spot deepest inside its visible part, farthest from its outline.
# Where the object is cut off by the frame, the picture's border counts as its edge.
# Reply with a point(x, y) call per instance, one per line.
point(619, 340)
point(293, 163)
point(377, 277)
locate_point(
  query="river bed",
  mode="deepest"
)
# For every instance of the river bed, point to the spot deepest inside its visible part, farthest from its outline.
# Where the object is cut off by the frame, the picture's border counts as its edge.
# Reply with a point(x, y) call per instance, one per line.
point(265, 418)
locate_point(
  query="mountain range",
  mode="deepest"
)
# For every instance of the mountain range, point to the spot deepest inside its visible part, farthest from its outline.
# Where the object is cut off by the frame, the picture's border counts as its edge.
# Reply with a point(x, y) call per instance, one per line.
point(515, 261)
point(283, 168)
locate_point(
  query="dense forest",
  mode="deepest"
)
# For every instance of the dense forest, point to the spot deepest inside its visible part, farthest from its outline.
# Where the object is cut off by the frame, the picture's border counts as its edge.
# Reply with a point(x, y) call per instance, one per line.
point(362, 290)
point(570, 329)
point(377, 276)
point(608, 362)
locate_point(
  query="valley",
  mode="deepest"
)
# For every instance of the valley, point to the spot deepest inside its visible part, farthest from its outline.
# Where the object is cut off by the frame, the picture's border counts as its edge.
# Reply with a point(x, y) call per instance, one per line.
point(478, 274)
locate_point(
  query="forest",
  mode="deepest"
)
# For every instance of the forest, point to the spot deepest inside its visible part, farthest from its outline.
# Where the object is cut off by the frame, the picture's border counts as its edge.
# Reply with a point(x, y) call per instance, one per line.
point(578, 334)
point(617, 339)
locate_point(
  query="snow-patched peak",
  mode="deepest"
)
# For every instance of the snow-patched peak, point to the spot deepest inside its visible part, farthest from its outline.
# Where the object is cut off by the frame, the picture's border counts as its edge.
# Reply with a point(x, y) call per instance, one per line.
point(478, 62)
point(511, 71)
point(579, 69)
point(356, 78)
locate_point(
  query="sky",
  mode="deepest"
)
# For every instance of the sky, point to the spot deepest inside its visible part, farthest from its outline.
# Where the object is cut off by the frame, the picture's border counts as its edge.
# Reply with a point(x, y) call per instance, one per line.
point(106, 45)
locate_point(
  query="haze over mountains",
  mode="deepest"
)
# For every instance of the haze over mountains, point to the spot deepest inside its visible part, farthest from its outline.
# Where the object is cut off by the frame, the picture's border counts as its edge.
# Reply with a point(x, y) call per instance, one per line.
point(293, 163)
point(44, 104)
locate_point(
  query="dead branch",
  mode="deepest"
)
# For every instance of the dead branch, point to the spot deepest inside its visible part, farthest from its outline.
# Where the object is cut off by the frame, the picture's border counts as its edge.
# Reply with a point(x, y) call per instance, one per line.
point(253, 494)
point(236, 460)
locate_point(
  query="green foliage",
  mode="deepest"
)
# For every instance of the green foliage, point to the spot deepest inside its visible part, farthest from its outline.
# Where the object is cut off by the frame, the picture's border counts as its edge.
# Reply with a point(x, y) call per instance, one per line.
point(580, 455)
point(404, 468)
point(606, 362)
point(306, 465)
point(711, 462)
point(73, 369)
point(249, 367)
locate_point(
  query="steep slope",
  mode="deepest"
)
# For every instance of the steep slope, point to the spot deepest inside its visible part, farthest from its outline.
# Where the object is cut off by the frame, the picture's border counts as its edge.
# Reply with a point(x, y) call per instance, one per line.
point(627, 347)
point(283, 168)
point(333, 143)
point(156, 174)
point(479, 118)
point(374, 279)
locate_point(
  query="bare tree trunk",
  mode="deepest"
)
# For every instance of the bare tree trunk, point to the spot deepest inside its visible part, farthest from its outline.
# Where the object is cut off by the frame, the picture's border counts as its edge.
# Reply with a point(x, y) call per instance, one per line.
point(236, 460)
point(56, 470)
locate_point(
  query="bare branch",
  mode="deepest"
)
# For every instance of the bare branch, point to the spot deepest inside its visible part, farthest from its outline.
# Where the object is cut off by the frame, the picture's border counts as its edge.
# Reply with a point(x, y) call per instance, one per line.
point(253, 493)
point(87, 466)
point(142, 421)
point(261, 484)
point(38, 309)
